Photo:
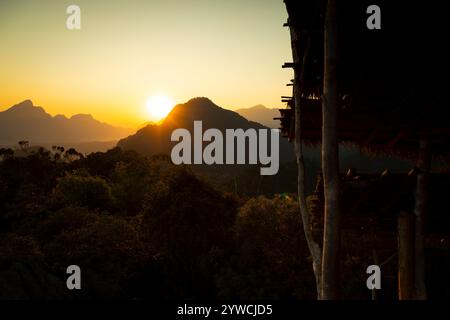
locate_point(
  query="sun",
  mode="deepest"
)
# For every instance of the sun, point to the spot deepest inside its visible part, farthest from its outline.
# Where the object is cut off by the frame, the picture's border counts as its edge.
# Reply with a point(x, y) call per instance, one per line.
point(159, 107)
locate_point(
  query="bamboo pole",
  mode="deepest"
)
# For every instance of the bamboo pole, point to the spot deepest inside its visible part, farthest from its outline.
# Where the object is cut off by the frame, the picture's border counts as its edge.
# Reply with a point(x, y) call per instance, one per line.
point(405, 256)
point(330, 160)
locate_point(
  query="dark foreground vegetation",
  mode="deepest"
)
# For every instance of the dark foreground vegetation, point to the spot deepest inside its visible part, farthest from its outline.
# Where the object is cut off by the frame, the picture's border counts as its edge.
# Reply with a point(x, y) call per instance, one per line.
point(143, 228)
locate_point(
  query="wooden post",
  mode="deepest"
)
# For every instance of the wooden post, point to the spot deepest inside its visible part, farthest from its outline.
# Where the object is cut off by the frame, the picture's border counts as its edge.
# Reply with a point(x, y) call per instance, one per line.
point(421, 205)
point(330, 160)
point(313, 246)
point(405, 256)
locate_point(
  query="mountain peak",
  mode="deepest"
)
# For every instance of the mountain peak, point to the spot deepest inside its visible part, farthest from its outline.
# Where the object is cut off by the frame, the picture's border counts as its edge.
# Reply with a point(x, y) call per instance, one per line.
point(156, 139)
point(24, 121)
point(200, 101)
point(26, 104)
point(258, 106)
point(194, 109)
point(26, 109)
point(261, 114)
point(60, 117)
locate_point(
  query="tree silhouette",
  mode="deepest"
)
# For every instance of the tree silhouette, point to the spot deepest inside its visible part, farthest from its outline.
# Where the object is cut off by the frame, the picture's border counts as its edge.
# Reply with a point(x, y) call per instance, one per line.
point(24, 145)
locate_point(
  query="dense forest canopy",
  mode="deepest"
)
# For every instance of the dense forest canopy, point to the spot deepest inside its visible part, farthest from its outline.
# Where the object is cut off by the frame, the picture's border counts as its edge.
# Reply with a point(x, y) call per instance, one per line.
point(144, 228)
point(139, 227)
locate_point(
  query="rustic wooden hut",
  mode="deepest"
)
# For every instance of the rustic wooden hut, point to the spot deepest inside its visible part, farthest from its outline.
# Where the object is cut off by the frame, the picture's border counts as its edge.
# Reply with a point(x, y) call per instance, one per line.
point(378, 89)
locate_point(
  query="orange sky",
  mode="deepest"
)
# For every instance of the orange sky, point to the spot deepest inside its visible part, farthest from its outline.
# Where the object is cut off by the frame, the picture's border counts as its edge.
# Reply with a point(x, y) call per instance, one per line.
point(126, 51)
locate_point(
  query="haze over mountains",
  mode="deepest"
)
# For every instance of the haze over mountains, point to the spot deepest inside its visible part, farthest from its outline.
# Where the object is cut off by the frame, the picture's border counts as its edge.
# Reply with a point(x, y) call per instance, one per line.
point(25, 121)
point(262, 115)
point(155, 139)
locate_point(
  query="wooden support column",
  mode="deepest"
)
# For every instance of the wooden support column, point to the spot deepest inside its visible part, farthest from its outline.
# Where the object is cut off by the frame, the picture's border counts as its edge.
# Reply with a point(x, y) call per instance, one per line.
point(330, 160)
point(421, 206)
point(406, 256)
point(313, 246)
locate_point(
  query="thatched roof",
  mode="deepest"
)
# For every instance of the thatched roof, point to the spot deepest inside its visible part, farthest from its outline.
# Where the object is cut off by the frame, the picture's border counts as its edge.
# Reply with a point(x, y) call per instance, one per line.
point(391, 92)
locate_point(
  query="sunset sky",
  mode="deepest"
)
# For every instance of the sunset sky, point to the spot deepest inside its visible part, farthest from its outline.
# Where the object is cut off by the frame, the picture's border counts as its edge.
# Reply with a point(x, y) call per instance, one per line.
point(129, 50)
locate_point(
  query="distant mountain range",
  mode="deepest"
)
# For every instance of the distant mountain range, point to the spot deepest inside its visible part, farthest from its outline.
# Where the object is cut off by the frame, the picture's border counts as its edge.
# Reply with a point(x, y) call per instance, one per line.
point(155, 139)
point(261, 114)
point(24, 121)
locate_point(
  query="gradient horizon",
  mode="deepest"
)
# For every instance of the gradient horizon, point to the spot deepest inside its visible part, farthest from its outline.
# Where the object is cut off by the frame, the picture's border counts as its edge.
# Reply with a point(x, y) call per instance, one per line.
point(126, 51)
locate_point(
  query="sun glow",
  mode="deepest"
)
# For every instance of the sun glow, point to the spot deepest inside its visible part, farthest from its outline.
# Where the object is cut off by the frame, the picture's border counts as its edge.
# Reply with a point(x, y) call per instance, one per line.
point(159, 107)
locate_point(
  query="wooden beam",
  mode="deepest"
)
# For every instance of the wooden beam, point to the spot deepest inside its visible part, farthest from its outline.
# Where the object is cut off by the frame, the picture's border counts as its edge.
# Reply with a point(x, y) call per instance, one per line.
point(290, 65)
point(330, 160)
point(405, 256)
point(421, 205)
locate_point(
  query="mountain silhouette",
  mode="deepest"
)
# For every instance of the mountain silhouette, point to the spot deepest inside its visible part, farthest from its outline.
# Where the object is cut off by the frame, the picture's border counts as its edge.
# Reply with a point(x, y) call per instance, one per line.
point(155, 139)
point(24, 121)
point(261, 114)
